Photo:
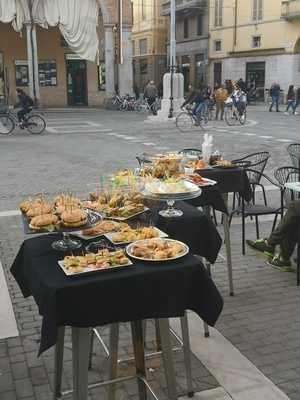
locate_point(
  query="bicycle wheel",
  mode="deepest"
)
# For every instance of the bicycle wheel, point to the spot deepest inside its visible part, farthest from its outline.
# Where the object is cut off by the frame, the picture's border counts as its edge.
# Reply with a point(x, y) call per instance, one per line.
point(184, 122)
point(243, 118)
point(7, 125)
point(230, 116)
point(35, 124)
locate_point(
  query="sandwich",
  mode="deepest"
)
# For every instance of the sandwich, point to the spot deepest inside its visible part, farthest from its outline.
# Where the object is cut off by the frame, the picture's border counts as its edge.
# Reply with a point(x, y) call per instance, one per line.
point(73, 218)
point(45, 221)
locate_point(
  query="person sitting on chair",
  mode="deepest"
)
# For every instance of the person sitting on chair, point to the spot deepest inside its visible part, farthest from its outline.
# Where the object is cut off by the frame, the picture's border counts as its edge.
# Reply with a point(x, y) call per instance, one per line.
point(285, 236)
point(26, 103)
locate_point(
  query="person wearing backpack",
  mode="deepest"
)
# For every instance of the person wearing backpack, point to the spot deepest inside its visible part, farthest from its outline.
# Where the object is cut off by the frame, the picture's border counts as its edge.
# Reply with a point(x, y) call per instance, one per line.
point(26, 103)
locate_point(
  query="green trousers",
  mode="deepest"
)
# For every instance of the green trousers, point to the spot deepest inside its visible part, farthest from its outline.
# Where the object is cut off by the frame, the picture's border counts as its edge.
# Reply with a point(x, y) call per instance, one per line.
point(286, 234)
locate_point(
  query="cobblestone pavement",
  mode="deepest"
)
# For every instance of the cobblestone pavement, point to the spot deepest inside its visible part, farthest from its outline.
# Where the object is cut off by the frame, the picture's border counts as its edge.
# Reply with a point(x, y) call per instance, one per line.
point(262, 320)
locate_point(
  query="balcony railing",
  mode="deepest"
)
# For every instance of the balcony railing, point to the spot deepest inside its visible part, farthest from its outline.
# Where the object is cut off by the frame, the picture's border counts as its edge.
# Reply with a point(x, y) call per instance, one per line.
point(182, 5)
point(290, 10)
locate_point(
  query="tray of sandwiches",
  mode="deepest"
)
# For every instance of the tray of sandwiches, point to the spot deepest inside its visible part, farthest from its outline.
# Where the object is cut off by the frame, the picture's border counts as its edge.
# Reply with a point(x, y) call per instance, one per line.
point(100, 229)
point(157, 250)
point(118, 205)
point(90, 263)
point(65, 213)
point(128, 234)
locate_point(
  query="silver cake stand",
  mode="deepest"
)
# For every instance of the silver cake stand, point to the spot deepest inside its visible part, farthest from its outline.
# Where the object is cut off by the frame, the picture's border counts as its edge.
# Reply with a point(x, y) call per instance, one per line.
point(170, 199)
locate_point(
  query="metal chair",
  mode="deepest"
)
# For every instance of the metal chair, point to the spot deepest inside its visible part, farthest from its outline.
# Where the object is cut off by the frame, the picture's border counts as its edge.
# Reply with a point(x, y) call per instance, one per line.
point(284, 175)
point(294, 152)
point(256, 210)
point(258, 162)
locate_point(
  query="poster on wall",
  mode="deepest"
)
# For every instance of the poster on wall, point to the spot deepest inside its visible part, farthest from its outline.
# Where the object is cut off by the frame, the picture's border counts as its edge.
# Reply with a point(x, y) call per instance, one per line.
point(22, 73)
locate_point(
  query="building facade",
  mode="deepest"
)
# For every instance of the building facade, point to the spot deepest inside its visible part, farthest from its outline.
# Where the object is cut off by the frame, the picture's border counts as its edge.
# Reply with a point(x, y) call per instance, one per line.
point(149, 42)
point(256, 40)
point(192, 38)
point(62, 77)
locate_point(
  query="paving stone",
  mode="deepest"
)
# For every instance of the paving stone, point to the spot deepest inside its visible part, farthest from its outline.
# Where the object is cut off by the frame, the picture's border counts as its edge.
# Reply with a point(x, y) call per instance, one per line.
point(24, 388)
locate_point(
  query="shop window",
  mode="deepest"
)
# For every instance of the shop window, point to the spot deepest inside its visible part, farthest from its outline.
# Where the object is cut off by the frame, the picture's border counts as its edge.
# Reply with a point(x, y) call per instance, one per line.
point(200, 69)
point(101, 76)
point(218, 45)
point(22, 73)
point(199, 25)
point(218, 12)
point(143, 46)
point(186, 28)
point(143, 67)
point(47, 73)
point(256, 42)
point(257, 12)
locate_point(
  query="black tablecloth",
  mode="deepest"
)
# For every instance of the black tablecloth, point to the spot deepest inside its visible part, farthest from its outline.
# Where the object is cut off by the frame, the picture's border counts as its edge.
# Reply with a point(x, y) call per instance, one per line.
point(144, 290)
point(193, 228)
point(229, 180)
point(210, 196)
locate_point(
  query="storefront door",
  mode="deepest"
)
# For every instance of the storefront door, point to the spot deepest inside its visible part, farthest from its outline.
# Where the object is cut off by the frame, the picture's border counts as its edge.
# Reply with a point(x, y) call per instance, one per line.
point(255, 79)
point(76, 82)
point(217, 73)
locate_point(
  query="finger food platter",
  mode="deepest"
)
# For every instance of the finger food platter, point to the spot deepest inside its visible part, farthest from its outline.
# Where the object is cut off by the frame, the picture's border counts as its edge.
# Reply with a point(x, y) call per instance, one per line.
point(131, 235)
point(200, 181)
point(157, 250)
point(100, 229)
point(91, 263)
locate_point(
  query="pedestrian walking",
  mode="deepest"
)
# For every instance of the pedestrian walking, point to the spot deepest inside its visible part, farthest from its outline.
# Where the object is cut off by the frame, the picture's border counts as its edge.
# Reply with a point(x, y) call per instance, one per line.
point(291, 97)
point(150, 95)
point(297, 103)
point(275, 93)
point(221, 94)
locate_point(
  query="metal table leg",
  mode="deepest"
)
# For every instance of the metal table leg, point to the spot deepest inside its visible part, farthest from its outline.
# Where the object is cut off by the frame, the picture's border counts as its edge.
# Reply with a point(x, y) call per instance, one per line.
point(187, 354)
point(113, 359)
point(139, 355)
point(228, 247)
point(58, 362)
point(167, 357)
point(80, 347)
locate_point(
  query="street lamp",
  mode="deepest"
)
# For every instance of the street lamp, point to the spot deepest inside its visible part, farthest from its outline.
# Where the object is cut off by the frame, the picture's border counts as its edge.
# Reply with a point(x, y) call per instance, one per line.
point(172, 54)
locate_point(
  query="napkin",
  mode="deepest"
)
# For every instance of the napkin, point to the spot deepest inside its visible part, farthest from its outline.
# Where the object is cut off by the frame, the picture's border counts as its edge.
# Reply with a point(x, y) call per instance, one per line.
point(207, 147)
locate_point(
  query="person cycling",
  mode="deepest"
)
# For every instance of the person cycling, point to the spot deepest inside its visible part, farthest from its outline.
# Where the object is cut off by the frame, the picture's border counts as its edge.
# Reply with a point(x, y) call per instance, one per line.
point(26, 103)
point(195, 97)
point(239, 99)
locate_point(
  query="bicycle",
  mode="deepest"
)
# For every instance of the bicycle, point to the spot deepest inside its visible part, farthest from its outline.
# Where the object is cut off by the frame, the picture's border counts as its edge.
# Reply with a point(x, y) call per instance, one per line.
point(143, 106)
point(187, 120)
point(233, 115)
point(33, 122)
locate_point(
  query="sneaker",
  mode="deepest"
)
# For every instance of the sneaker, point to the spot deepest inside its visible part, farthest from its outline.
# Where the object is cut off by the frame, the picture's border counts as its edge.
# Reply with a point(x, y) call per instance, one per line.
point(296, 113)
point(286, 113)
point(262, 246)
point(278, 263)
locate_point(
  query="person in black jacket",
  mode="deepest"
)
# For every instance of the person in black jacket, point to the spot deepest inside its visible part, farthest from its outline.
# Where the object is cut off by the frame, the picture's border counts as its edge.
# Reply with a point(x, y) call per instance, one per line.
point(26, 104)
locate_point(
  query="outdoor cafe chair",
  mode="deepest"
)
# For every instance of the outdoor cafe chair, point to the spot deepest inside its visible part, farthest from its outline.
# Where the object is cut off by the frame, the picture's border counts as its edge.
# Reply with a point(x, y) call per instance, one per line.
point(256, 210)
point(294, 152)
point(257, 162)
point(285, 175)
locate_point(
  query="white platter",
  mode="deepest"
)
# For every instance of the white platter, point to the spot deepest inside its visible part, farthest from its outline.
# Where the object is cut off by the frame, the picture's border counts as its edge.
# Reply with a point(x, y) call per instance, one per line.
point(157, 189)
point(110, 236)
point(184, 253)
point(90, 270)
point(206, 182)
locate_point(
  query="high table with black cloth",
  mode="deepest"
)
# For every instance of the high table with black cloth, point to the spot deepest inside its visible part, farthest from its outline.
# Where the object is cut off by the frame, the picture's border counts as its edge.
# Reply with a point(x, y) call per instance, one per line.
point(142, 291)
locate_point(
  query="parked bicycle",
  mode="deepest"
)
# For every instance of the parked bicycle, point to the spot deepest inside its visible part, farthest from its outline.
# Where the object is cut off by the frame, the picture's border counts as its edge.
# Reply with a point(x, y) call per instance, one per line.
point(143, 106)
point(33, 122)
point(233, 115)
point(187, 120)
